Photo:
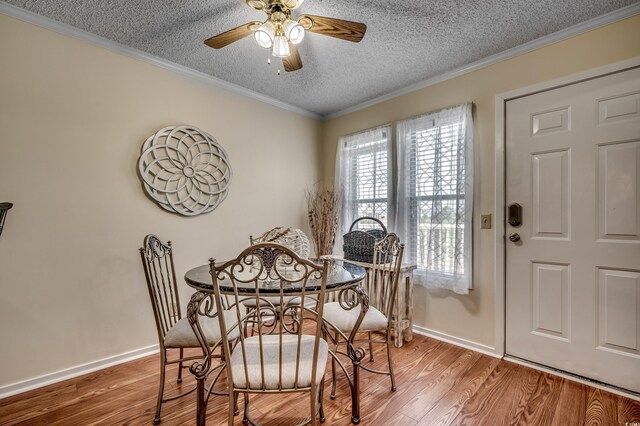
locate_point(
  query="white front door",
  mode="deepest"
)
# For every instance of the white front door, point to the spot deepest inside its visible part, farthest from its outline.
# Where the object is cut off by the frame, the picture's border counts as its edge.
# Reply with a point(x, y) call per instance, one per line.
point(573, 278)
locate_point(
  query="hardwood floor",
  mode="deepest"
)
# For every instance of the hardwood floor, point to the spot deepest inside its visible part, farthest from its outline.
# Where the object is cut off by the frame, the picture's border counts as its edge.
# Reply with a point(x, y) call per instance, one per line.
point(438, 384)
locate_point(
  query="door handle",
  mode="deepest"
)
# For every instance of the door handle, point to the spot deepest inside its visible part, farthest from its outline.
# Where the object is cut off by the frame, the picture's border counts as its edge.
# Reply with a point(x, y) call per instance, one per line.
point(514, 237)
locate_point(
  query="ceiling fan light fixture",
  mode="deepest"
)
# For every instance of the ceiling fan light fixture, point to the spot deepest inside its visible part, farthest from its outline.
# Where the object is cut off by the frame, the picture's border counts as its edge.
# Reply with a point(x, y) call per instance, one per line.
point(292, 4)
point(265, 34)
point(293, 31)
point(281, 47)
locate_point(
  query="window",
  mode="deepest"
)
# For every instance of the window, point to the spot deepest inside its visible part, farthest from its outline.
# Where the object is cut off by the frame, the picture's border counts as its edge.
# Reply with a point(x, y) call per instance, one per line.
point(362, 172)
point(433, 203)
point(369, 169)
point(435, 199)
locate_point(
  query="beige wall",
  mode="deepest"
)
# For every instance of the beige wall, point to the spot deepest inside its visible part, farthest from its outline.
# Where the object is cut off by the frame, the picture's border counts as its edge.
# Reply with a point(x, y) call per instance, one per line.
point(73, 117)
point(472, 317)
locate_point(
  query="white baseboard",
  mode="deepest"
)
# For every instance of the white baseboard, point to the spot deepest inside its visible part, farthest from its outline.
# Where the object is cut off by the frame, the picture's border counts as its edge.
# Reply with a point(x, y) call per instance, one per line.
point(79, 370)
point(574, 378)
point(467, 344)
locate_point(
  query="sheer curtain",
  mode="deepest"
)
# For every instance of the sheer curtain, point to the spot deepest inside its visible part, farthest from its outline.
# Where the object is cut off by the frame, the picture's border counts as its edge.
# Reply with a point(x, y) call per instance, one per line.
point(363, 177)
point(435, 196)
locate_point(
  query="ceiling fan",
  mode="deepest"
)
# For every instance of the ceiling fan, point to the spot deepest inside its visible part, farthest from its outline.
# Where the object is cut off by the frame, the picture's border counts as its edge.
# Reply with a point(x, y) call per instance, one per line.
point(281, 32)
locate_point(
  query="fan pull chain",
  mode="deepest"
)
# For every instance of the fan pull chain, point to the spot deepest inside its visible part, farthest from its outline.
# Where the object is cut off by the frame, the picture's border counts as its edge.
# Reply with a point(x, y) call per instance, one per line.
point(269, 63)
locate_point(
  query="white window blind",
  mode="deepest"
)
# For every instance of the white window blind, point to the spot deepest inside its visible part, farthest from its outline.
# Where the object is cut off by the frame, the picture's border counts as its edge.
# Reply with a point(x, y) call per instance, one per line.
point(435, 196)
point(363, 178)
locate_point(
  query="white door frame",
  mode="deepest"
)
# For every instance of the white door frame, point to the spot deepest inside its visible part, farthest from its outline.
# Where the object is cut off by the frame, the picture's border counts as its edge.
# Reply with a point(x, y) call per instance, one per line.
point(501, 99)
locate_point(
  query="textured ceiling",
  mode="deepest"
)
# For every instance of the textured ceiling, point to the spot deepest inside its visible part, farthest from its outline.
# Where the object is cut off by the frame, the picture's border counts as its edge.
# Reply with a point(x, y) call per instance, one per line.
point(406, 42)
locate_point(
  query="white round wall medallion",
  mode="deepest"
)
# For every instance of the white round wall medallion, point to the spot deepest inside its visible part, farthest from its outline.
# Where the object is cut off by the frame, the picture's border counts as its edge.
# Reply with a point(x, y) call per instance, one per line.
point(185, 170)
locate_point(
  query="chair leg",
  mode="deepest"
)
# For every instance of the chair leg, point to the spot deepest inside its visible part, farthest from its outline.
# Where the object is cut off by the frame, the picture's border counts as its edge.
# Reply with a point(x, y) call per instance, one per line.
point(393, 378)
point(180, 366)
point(370, 347)
point(333, 368)
point(163, 364)
point(245, 419)
point(232, 407)
point(236, 410)
point(321, 397)
point(314, 401)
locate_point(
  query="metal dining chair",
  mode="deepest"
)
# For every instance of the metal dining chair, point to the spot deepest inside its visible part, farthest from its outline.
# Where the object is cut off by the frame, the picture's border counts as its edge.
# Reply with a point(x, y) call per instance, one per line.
point(383, 279)
point(293, 239)
point(281, 357)
point(174, 331)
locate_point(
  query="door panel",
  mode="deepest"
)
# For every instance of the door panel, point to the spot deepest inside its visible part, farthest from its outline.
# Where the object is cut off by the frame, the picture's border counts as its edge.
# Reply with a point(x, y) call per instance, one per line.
point(619, 191)
point(550, 299)
point(619, 310)
point(550, 194)
point(573, 278)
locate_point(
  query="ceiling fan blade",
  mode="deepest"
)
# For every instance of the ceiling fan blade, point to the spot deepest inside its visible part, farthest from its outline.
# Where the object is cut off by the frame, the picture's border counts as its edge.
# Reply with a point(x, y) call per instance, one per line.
point(332, 27)
point(293, 61)
point(226, 38)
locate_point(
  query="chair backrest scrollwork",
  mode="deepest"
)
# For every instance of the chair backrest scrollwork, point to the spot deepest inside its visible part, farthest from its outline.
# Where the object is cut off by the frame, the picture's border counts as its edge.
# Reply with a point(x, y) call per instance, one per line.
point(157, 260)
point(385, 273)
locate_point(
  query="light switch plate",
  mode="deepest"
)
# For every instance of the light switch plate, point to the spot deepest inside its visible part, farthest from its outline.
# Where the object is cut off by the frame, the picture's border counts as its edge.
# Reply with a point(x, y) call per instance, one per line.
point(485, 221)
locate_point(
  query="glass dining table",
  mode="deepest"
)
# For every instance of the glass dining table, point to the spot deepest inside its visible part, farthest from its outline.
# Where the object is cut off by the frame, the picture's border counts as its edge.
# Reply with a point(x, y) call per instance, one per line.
point(344, 285)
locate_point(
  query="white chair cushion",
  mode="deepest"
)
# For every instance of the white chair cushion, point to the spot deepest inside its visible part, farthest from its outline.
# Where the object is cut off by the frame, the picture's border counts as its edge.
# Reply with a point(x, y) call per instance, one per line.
point(271, 360)
point(344, 320)
point(181, 335)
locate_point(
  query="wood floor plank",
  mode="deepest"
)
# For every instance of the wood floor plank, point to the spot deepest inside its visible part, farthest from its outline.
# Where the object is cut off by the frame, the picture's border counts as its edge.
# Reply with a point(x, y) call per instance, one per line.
point(542, 405)
point(452, 402)
point(389, 403)
point(572, 404)
point(401, 420)
point(526, 386)
point(497, 400)
point(628, 411)
point(602, 408)
point(433, 390)
point(21, 406)
point(438, 384)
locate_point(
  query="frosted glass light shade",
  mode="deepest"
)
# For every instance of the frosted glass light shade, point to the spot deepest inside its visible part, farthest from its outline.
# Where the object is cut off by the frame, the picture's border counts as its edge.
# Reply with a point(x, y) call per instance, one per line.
point(281, 47)
point(292, 4)
point(265, 34)
point(293, 31)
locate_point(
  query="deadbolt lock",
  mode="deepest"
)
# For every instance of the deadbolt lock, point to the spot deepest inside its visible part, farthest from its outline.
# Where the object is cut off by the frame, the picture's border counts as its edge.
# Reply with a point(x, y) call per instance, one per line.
point(514, 216)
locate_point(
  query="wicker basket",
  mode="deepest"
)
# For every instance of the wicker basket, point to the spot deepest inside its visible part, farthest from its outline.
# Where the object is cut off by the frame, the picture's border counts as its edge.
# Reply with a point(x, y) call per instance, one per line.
point(358, 245)
point(294, 239)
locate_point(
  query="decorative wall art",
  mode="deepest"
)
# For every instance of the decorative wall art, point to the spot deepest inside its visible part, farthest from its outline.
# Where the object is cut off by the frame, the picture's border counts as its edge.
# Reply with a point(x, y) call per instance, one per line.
point(185, 170)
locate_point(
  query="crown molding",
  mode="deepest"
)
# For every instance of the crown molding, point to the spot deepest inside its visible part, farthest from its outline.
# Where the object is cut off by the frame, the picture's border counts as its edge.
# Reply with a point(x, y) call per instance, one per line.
point(566, 33)
point(68, 30)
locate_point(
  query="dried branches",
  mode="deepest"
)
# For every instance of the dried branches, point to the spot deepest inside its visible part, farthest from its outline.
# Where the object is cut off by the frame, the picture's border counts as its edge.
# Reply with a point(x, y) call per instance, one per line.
point(323, 205)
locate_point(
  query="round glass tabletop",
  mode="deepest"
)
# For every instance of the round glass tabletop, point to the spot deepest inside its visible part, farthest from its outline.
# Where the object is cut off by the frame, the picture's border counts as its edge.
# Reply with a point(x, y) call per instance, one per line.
point(340, 275)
